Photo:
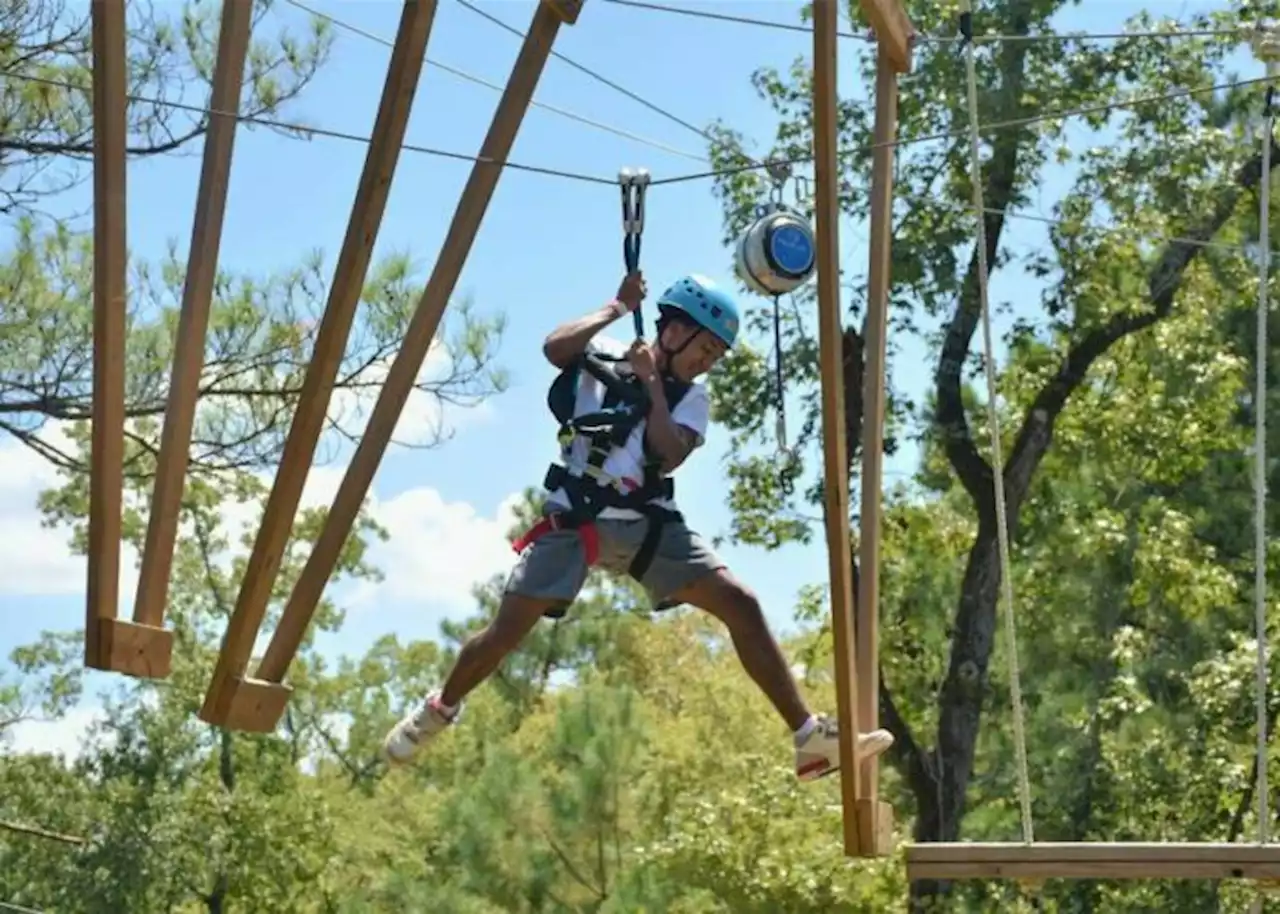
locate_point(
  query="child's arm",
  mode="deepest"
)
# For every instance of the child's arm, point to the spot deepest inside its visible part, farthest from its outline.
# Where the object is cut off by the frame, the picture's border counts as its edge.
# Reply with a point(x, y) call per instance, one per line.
point(569, 340)
point(672, 441)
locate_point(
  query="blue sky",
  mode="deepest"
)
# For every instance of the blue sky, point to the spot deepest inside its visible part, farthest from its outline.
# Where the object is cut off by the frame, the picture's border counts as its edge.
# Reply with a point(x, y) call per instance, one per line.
point(548, 249)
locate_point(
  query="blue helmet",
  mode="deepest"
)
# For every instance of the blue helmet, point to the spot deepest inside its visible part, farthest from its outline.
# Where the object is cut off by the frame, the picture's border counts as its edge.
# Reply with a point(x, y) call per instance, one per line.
point(706, 304)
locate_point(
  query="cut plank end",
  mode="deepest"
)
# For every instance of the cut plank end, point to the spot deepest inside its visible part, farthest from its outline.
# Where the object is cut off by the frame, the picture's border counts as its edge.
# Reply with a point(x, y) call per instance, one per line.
point(141, 651)
point(566, 11)
point(895, 35)
point(256, 706)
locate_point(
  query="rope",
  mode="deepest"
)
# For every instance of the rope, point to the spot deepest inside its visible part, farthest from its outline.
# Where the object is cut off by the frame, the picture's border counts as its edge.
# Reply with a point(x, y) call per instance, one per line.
point(497, 87)
point(868, 148)
point(1265, 46)
point(323, 131)
point(927, 39)
point(993, 421)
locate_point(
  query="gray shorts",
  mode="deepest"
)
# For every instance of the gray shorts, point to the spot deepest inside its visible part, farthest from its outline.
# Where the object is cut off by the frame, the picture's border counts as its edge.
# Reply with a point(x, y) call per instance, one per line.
point(554, 567)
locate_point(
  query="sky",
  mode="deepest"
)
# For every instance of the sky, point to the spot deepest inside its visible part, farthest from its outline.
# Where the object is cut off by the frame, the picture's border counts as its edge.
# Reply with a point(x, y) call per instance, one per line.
point(548, 250)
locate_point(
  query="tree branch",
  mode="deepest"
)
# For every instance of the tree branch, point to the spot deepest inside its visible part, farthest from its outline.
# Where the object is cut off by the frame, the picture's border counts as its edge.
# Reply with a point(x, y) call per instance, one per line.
point(1163, 283)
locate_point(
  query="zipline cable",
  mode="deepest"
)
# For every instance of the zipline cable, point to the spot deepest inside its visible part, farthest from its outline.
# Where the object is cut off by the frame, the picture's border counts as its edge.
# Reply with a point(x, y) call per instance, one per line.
point(322, 131)
point(489, 84)
point(993, 423)
point(598, 77)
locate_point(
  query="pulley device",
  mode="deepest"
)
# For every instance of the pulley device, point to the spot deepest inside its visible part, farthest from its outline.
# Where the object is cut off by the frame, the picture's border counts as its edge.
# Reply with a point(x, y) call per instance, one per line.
point(633, 183)
point(776, 255)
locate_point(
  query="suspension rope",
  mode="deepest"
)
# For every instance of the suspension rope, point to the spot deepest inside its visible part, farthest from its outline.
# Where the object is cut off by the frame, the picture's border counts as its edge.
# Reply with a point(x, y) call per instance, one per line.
point(1266, 47)
point(993, 422)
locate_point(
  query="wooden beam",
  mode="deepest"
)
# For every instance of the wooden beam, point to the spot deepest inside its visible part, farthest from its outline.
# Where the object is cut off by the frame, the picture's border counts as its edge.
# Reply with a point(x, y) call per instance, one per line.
point(1093, 861)
point(367, 210)
point(873, 407)
point(403, 373)
point(143, 647)
point(894, 32)
point(831, 357)
point(110, 303)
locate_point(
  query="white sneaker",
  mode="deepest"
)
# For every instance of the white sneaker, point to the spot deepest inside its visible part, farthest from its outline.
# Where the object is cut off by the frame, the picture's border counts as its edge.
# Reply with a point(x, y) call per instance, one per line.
point(819, 754)
point(416, 729)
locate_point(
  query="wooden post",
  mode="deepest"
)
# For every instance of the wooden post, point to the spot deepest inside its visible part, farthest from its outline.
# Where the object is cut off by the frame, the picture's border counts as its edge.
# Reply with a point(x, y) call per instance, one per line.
point(110, 301)
point(370, 204)
point(143, 647)
point(826, 167)
point(872, 814)
point(256, 704)
point(895, 35)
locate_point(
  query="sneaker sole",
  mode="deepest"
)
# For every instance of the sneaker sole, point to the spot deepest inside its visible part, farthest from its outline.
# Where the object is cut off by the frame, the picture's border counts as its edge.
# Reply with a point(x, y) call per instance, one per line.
point(816, 770)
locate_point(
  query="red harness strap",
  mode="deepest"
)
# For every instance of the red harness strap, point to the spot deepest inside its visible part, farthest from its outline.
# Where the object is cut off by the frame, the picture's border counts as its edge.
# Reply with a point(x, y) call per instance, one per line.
point(587, 533)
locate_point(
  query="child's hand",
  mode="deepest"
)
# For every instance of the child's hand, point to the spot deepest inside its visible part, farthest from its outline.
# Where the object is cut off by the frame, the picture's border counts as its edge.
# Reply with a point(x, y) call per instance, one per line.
point(642, 360)
point(632, 290)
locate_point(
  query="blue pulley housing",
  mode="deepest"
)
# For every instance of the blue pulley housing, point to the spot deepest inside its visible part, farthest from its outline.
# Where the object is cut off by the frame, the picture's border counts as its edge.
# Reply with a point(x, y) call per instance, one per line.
point(777, 253)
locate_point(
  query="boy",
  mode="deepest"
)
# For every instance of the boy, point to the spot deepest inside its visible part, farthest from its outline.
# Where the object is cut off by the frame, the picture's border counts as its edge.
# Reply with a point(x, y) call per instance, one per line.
point(638, 530)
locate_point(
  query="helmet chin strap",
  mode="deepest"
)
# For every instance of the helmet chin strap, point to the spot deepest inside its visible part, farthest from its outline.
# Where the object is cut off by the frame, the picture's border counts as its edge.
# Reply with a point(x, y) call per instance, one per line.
point(667, 356)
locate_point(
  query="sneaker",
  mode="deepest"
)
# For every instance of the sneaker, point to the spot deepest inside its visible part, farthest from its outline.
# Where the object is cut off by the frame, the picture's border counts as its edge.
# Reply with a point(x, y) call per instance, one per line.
point(819, 754)
point(416, 729)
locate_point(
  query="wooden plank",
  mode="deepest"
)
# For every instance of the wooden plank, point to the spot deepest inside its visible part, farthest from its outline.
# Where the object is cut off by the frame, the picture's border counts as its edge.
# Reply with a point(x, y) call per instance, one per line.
point(110, 302)
point(830, 354)
point(1047, 860)
point(404, 369)
point(184, 381)
point(367, 210)
point(873, 407)
point(894, 31)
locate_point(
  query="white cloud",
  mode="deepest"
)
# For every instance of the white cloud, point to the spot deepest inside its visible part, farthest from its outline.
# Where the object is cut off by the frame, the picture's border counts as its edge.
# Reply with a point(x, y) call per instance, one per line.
point(423, 418)
point(34, 560)
point(65, 736)
point(437, 550)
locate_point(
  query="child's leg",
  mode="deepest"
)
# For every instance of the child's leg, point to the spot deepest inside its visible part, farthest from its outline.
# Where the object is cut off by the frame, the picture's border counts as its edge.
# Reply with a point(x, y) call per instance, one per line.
point(486, 649)
point(548, 576)
point(686, 570)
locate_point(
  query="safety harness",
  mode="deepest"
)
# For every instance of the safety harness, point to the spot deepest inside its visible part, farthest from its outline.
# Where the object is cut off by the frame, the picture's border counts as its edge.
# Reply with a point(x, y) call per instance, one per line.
point(624, 406)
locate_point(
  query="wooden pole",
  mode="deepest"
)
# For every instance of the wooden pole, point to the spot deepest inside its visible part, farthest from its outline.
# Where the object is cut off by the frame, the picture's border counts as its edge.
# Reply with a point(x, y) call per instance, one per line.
point(257, 704)
point(144, 647)
point(368, 208)
point(110, 301)
point(873, 407)
point(826, 167)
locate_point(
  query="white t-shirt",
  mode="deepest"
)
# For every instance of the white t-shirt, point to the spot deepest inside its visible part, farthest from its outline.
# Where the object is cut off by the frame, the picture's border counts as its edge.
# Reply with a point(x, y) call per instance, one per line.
point(627, 462)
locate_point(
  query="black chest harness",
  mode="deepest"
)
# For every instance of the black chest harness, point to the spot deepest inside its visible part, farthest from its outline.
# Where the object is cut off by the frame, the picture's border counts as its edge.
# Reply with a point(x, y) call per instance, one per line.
point(624, 406)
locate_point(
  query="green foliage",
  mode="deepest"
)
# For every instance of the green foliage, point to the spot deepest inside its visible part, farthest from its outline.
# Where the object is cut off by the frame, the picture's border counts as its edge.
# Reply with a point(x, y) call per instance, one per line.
point(623, 762)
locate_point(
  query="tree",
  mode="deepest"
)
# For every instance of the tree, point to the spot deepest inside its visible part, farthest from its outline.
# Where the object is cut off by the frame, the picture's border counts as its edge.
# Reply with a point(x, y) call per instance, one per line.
point(261, 328)
point(1172, 173)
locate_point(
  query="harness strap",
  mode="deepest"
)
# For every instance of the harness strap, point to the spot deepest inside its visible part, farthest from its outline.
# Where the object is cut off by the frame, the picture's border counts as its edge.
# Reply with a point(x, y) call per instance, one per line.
point(587, 533)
